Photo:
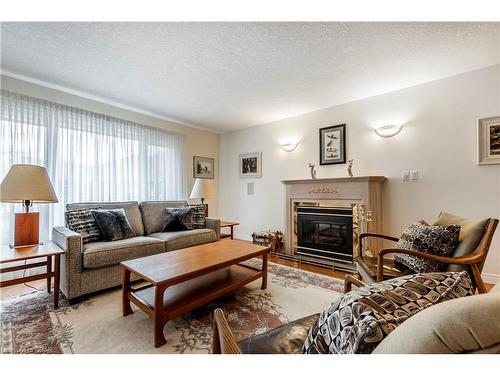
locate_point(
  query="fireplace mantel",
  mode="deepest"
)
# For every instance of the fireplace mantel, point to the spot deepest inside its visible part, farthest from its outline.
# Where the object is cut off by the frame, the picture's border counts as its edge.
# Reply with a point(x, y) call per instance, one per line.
point(336, 192)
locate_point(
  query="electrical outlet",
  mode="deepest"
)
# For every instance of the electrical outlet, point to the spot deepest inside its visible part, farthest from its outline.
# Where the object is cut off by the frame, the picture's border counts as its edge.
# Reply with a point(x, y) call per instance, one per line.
point(405, 175)
point(414, 174)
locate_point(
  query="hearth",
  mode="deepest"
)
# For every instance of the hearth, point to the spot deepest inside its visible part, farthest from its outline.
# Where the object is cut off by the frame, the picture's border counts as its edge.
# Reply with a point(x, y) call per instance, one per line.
point(325, 232)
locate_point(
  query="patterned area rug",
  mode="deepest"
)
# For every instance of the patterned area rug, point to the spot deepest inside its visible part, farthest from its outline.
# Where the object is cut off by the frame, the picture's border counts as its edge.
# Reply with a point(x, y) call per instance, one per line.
point(96, 325)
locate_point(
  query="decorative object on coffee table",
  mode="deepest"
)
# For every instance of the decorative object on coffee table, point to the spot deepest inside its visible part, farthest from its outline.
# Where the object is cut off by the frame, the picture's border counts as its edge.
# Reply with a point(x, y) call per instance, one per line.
point(230, 225)
point(203, 189)
point(313, 171)
point(27, 184)
point(332, 145)
point(488, 133)
point(49, 250)
point(251, 164)
point(180, 281)
point(203, 167)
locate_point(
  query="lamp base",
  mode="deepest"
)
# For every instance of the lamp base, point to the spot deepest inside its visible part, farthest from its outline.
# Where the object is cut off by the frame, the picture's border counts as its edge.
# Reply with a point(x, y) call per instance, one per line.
point(26, 229)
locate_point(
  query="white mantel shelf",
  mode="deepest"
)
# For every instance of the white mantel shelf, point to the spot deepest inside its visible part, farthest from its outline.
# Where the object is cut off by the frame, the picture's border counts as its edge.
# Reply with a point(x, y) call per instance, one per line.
point(337, 179)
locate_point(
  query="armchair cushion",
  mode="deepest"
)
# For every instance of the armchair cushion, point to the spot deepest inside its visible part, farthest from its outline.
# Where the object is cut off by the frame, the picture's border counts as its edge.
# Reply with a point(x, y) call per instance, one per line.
point(436, 240)
point(367, 268)
point(359, 320)
point(471, 232)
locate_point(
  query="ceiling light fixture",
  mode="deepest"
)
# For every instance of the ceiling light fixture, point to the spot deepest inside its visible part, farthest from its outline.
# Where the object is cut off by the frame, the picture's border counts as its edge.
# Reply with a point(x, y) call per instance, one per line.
point(289, 147)
point(388, 130)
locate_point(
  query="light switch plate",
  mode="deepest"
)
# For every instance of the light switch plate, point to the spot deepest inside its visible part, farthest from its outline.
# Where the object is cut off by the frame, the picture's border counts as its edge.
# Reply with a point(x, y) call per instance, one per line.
point(250, 188)
point(405, 175)
point(414, 174)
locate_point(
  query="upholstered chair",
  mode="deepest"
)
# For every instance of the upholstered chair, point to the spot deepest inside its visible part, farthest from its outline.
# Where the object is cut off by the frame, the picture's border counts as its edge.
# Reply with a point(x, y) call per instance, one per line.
point(469, 255)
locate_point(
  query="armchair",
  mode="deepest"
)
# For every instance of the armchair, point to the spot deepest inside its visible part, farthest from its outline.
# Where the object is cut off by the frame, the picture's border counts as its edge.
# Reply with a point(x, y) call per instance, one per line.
point(470, 254)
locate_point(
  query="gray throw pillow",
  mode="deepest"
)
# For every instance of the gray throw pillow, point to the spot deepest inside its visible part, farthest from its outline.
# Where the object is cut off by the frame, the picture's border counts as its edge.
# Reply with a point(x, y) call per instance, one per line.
point(83, 222)
point(431, 239)
point(177, 219)
point(358, 321)
point(113, 224)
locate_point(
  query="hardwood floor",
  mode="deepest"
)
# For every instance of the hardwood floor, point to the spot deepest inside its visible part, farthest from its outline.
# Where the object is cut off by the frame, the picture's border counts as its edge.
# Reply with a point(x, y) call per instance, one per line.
point(13, 290)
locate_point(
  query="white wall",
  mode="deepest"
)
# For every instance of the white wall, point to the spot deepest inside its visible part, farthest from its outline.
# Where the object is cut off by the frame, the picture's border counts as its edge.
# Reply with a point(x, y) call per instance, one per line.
point(439, 139)
point(198, 142)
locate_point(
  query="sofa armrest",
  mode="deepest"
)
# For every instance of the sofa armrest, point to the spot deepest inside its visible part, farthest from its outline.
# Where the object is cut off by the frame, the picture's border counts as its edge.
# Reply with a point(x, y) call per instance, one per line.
point(71, 260)
point(214, 224)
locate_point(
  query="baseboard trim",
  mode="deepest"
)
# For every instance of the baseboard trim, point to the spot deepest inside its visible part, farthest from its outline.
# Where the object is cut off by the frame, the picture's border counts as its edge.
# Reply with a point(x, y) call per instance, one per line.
point(490, 278)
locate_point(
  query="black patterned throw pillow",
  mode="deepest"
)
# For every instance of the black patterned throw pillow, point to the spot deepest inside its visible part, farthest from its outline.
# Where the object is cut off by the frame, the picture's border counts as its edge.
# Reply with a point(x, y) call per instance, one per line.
point(198, 218)
point(83, 222)
point(113, 224)
point(177, 219)
point(430, 239)
point(358, 321)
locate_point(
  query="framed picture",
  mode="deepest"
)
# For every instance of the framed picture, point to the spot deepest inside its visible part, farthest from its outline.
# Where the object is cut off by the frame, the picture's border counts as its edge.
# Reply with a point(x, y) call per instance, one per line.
point(251, 164)
point(332, 145)
point(203, 167)
point(488, 134)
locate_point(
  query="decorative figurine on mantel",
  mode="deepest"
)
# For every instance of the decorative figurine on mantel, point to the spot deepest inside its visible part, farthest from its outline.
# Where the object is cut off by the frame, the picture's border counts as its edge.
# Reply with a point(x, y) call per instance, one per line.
point(313, 171)
point(349, 167)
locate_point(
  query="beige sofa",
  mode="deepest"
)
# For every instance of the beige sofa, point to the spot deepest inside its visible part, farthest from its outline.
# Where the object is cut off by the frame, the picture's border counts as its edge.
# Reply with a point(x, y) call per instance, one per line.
point(90, 267)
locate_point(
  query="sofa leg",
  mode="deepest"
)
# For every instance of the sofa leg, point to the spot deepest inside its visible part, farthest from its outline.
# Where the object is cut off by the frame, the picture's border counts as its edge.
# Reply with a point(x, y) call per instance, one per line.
point(352, 279)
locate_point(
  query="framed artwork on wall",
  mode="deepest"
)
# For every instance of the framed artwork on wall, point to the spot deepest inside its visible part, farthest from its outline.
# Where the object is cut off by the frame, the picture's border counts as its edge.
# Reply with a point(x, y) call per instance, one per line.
point(488, 137)
point(332, 145)
point(251, 164)
point(203, 167)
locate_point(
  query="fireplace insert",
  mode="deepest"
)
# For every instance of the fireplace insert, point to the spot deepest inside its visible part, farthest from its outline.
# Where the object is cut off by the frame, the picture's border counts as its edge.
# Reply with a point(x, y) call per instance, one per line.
point(325, 232)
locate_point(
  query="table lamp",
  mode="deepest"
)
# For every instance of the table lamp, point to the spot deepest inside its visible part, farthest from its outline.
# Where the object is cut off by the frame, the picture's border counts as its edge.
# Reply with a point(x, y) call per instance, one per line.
point(26, 184)
point(203, 188)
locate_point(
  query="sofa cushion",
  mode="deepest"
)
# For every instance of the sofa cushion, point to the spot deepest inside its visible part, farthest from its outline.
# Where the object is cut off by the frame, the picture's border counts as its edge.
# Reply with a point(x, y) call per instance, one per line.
point(199, 218)
point(131, 211)
point(113, 224)
point(186, 238)
point(471, 232)
point(435, 240)
point(153, 214)
point(178, 219)
point(466, 325)
point(101, 254)
point(359, 320)
point(83, 223)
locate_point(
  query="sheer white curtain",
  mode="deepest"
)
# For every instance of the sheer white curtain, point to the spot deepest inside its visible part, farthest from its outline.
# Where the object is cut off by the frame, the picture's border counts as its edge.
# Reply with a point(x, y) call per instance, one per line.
point(88, 156)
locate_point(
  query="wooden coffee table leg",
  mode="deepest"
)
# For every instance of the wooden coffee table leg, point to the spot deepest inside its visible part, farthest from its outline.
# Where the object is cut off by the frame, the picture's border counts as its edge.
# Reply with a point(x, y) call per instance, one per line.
point(57, 271)
point(232, 231)
point(159, 317)
point(264, 271)
point(49, 270)
point(126, 309)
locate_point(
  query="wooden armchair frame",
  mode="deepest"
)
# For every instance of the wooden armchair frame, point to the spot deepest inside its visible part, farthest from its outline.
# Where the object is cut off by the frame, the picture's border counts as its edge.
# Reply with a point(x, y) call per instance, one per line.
point(474, 260)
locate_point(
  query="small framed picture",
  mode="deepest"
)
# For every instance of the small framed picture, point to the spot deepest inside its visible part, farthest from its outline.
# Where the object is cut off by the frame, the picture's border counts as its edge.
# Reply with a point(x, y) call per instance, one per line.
point(203, 167)
point(251, 164)
point(332, 145)
point(488, 136)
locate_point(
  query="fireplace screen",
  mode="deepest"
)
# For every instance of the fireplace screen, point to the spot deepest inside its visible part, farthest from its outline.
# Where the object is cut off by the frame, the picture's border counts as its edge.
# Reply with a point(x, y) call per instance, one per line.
point(325, 232)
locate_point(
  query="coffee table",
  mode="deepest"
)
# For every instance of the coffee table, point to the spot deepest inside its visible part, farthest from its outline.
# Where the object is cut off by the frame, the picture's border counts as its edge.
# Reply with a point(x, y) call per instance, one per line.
point(182, 280)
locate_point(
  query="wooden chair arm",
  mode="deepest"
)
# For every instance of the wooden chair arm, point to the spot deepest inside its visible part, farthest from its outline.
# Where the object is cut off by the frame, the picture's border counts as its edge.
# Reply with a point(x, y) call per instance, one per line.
point(372, 234)
point(465, 260)
point(224, 341)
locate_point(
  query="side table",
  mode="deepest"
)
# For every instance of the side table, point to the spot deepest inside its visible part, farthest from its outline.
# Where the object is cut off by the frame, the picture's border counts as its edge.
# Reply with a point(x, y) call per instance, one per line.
point(49, 250)
point(228, 224)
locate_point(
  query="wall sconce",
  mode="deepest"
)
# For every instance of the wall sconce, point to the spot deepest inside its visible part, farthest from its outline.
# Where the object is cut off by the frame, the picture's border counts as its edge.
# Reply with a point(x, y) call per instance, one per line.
point(388, 130)
point(289, 147)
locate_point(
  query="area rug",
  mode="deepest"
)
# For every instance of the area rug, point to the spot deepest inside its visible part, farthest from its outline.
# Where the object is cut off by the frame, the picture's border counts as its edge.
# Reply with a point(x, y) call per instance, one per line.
point(96, 325)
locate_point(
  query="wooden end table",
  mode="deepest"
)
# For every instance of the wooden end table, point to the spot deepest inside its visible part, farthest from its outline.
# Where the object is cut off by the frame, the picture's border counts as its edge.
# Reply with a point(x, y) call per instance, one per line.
point(228, 224)
point(48, 250)
point(182, 280)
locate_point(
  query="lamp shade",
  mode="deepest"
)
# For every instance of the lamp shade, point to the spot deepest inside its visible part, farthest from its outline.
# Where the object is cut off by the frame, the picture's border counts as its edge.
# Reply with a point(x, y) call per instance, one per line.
point(202, 188)
point(26, 182)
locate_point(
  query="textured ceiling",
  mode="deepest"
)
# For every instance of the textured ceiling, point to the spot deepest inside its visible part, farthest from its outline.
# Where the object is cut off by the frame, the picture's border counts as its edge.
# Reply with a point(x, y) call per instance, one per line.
point(227, 76)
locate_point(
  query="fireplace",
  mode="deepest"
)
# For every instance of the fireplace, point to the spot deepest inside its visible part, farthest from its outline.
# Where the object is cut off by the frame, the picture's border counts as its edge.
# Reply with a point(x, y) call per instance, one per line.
point(325, 232)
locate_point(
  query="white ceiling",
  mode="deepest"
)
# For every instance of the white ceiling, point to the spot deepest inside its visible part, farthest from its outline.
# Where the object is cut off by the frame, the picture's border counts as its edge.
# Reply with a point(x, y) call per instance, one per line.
point(227, 76)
